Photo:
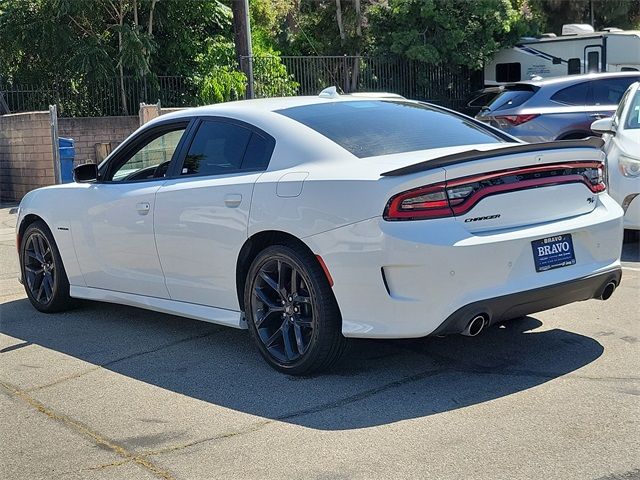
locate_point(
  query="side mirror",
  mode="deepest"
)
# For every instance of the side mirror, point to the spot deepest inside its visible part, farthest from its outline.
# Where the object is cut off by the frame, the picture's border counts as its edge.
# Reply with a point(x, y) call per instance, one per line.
point(85, 173)
point(604, 125)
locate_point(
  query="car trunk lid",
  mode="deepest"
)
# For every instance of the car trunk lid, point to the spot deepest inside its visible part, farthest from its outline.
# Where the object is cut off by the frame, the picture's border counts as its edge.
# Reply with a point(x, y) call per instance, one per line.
point(518, 185)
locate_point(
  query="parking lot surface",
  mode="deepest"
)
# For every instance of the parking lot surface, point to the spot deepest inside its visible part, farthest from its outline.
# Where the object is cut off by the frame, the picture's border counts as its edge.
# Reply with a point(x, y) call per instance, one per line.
point(113, 392)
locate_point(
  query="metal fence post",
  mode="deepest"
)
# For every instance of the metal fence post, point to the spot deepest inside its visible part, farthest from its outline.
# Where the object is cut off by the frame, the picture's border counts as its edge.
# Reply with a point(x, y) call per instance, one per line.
point(53, 123)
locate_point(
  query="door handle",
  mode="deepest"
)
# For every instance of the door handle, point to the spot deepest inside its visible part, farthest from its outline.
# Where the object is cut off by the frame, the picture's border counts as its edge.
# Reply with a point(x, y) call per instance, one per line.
point(599, 115)
point(232, 200)
point(143, 208)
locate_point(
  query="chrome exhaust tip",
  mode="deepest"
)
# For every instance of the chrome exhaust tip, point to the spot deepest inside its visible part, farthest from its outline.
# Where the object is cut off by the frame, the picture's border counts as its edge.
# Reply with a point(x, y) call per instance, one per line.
point(475, 326)
point(607, 291)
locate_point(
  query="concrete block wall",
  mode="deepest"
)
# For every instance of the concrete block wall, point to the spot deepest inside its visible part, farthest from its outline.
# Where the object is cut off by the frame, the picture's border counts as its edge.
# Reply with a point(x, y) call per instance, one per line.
point(26, 149)
point(88, 131)
point(26, 154)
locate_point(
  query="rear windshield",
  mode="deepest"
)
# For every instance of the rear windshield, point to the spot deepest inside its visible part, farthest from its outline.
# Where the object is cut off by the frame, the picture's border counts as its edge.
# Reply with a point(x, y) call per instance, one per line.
point(511, 97)
point(381, 127)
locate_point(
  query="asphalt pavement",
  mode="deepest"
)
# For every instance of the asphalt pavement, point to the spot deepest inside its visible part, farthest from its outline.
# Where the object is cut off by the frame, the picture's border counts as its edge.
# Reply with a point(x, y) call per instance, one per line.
point(113, 392)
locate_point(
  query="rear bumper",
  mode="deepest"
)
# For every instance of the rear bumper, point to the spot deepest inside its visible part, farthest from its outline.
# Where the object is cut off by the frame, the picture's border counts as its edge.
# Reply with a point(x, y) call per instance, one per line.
point(531, 301)
point(404, 279)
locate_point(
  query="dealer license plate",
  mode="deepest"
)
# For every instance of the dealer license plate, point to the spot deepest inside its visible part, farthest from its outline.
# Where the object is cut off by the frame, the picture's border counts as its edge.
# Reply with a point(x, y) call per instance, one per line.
point(553, 252)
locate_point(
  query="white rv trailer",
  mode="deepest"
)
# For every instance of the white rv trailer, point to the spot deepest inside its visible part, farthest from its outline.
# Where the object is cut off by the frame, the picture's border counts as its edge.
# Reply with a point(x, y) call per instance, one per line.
point(578, 50)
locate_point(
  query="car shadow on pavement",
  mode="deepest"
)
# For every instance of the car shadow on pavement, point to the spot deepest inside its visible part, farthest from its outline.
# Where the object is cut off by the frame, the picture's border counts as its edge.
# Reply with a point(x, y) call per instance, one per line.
point(377, 382)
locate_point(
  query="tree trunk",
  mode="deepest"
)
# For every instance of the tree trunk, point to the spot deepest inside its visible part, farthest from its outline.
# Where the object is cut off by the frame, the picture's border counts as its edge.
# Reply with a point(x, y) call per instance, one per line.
point(123, 94)
point(356, 5)
point(355, 72)
point(241, 40)
point(151, 9)
point(339, 19)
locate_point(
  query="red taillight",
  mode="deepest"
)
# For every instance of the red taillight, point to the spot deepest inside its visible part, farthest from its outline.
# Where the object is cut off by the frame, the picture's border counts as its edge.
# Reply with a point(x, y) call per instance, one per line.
point(420, 203)
point(458, 196)
point(516, 119)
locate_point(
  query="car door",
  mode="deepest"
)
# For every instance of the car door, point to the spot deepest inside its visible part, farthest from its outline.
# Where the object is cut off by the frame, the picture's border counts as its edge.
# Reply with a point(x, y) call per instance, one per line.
point(202, 214)
point(113, 235)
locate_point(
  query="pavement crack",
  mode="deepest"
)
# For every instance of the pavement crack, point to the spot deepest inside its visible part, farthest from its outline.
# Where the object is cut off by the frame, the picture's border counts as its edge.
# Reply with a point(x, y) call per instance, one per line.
point(117, 360)
point(308, 411)
point(254, 428)
point(161, 347)
point(84, 430)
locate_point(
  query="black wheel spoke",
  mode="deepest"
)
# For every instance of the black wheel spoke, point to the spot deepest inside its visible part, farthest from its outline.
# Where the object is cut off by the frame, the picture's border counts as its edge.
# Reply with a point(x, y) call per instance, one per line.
point(48, 287)
point(270, 281)
point(33, 270)
point(294, 282)
point(274, 338)
point(270, 304)
point(279, 287)
point(299, 340)
point(286, 340)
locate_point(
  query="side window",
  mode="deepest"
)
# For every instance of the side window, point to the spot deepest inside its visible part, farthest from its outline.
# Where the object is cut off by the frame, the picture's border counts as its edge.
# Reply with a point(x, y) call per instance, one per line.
point(623, 101)
point(610, 91)
point(217, 148)
point(573, 95)
point(508, 72)
point(151, 160)
point(633, 115)
point(482, 100)
point(593, 62)
point(258, 153)
point(573, 66)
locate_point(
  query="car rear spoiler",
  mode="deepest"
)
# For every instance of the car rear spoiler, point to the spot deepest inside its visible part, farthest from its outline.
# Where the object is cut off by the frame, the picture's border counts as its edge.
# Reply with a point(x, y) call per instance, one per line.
point(469, 155)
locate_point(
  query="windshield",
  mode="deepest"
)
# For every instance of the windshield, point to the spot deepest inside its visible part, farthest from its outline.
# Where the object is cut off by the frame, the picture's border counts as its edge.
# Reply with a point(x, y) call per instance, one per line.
point(377, 127)
point(510, 98)
point(633, 117)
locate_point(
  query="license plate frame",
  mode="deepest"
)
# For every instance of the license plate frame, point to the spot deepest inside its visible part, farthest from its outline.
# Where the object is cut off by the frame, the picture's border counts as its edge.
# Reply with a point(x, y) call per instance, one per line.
point(553, 252)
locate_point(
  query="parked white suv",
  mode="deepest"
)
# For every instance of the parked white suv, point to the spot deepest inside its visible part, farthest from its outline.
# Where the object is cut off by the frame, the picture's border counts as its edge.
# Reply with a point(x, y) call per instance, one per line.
point(621, 134)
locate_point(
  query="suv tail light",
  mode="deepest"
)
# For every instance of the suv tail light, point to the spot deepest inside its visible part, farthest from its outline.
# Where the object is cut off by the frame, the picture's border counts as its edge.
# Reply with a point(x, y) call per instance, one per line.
point(514, 120)
point(458, 196)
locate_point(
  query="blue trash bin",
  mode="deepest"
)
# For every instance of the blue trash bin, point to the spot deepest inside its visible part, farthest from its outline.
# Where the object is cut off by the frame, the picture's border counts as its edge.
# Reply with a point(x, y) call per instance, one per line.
point(67, 150)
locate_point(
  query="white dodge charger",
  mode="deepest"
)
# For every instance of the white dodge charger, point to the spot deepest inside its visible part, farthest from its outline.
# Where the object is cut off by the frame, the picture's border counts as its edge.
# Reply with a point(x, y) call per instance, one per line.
point(308, 220)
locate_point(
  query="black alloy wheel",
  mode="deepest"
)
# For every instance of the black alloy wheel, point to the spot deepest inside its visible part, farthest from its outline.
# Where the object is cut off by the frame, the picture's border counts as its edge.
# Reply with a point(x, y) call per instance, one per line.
point(292, 313)
point(39, 268)
point(43, 275)
point(283, 314)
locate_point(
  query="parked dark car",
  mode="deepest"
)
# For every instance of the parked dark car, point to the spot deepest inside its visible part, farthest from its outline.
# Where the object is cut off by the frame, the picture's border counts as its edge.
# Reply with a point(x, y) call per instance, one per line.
point(559, 108)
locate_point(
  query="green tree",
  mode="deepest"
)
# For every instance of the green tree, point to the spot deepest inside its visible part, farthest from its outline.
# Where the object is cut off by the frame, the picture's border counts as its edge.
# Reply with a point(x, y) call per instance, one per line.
point(554, 14)
point(449, 31)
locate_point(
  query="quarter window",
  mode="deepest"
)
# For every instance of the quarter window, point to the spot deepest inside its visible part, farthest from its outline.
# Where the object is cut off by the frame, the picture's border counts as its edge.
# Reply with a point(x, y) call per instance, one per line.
point(217, 148)
point(573, 95)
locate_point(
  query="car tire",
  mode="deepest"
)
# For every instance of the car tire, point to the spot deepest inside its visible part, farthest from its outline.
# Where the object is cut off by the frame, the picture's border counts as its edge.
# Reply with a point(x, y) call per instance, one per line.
point(45, 280)
point(292, 314)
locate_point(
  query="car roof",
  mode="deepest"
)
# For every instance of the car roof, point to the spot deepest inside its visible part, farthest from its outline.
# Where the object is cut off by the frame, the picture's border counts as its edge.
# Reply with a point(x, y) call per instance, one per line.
point(279, 103)
point(568, 79)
